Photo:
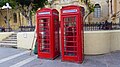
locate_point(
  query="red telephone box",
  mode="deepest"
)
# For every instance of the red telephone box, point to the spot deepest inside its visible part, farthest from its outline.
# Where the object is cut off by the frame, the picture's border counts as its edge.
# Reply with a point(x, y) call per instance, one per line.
point(72, 33)
point(48, 33)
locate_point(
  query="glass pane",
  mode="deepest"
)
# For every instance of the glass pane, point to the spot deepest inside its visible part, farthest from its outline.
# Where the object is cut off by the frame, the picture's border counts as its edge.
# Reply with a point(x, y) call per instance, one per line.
point(70, 53)
point(70, 36)
point(44, 34)
point(56, 26)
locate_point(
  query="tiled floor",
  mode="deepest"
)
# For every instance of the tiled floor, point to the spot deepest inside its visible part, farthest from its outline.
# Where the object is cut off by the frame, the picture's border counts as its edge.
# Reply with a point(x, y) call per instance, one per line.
point(10, 57)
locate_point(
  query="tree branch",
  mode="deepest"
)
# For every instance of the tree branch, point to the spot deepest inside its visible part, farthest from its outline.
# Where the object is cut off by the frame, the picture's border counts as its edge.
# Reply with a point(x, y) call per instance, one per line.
point(29, 9)
point(115, 14)
point(5, 19)
point(90, 8)
point(85, 17)
point(23, 12)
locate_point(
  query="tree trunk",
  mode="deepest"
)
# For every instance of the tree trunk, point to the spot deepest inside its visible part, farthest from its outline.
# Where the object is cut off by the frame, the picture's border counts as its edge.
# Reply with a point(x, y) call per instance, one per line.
point(85, 17)
point(19, 19)
point(6, 20)
point(30, 21)
point(29, 18)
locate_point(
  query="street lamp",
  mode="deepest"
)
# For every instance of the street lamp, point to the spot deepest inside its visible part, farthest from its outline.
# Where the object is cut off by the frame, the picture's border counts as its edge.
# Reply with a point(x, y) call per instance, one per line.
point(7, 6)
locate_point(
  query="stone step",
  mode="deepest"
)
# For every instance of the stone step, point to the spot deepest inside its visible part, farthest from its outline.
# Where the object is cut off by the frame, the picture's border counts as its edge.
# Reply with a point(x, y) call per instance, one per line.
point(8, 45)
point(14, 34)
point(11, 38)
point(8, 41)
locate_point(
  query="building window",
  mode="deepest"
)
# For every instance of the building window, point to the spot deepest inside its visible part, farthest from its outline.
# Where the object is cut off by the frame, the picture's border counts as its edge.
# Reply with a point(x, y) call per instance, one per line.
point(15, 17)
point(97, 11)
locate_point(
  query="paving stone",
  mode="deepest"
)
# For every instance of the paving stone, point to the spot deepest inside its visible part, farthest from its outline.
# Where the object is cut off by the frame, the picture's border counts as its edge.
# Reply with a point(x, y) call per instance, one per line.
point(107, 60)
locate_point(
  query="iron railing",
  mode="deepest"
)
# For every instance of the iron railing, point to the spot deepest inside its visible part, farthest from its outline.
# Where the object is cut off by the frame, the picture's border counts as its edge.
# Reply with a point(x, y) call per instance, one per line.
point(87, 27)
point(101, 26)
point(7, 29)
point(27, 28)
point(2, 29)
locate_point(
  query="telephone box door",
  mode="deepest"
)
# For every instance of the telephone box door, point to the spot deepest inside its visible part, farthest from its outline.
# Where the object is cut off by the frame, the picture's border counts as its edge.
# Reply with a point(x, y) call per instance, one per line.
point(44, 36)
point(69, 38)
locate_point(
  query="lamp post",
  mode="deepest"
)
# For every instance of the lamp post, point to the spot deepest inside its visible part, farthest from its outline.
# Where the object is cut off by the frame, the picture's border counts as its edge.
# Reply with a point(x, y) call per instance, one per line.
point(7, 6)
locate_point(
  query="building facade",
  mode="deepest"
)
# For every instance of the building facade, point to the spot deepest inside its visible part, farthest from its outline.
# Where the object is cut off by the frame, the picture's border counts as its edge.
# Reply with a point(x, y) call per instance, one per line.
point(16, 19)
point(104, 9)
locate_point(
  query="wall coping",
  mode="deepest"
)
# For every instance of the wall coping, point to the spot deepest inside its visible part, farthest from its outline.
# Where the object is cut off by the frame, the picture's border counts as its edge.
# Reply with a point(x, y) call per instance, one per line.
point(102, 31)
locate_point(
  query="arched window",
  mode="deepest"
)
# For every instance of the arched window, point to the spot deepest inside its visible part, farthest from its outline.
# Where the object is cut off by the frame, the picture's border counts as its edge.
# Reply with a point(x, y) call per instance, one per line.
point(97, 11)
point(15, 17)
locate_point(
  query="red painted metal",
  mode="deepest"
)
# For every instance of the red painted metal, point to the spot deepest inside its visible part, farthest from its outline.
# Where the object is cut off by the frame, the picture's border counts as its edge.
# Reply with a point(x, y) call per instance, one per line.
point(48, 33)
point(72, 33)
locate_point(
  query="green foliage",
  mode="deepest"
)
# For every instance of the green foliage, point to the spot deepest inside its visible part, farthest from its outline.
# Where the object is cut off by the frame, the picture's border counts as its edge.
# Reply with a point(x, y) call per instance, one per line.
point(11, 2)
point(25, 7)
point(89, 5)
point(85, 1)
point(25, 3)
point(3, 2)
point(35, 3)
point(90, 8)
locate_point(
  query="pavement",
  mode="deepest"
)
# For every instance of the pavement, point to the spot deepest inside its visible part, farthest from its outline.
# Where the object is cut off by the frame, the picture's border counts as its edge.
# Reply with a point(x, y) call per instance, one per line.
point(11, 57)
